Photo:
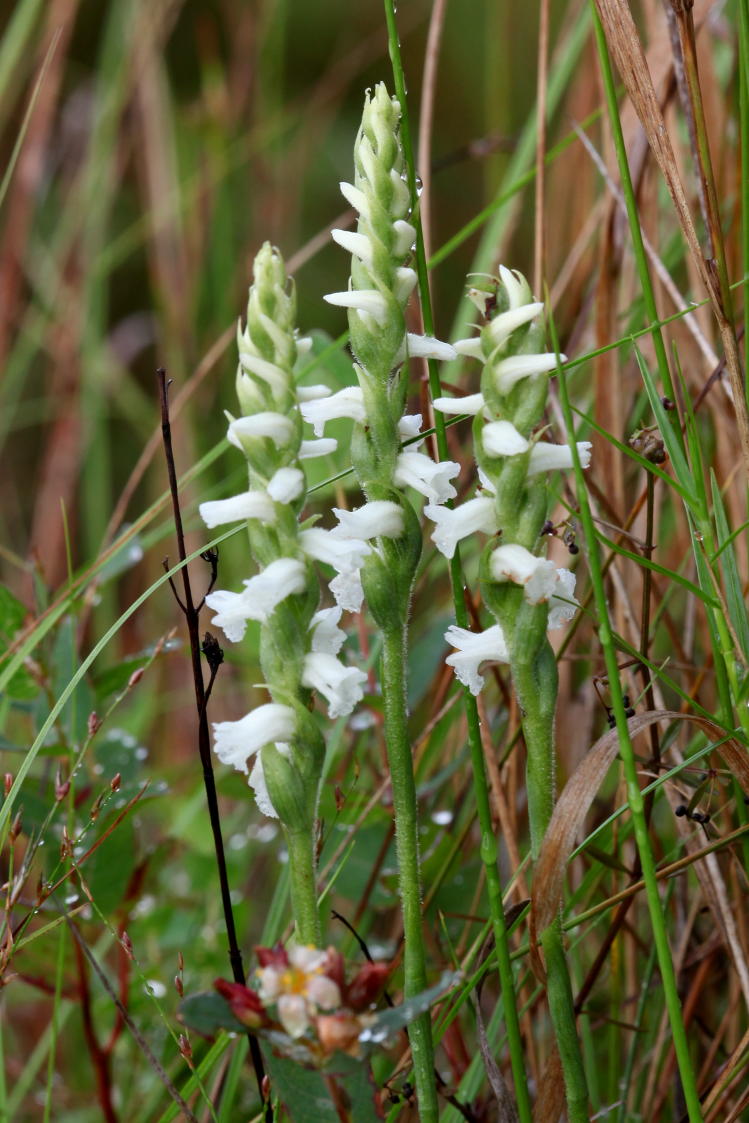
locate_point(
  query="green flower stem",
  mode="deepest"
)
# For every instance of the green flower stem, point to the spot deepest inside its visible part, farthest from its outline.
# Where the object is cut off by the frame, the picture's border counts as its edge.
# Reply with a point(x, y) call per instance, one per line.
point(535, 680)
point(407, 846)
point(303, 886)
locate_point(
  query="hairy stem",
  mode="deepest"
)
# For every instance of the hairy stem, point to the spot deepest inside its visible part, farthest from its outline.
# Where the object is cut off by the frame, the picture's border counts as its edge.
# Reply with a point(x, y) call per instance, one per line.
point(304, 886)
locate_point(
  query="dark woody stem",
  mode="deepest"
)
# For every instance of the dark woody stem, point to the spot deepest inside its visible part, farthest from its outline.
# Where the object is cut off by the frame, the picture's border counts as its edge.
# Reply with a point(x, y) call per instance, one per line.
point(191, 614)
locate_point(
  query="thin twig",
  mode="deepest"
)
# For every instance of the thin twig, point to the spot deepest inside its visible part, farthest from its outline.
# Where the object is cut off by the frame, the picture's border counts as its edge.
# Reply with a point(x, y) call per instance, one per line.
point(191, 614)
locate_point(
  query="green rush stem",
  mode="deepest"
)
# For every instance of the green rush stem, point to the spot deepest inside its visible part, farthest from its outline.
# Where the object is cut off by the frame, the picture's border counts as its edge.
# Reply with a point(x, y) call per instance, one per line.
point(480, 782)
point(535, 681)
point(627, 755)
point(407, 847)
point(303, 883)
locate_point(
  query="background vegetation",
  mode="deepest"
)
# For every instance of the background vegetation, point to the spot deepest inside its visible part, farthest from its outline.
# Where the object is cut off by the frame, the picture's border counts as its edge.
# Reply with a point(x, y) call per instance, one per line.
point(149, 149)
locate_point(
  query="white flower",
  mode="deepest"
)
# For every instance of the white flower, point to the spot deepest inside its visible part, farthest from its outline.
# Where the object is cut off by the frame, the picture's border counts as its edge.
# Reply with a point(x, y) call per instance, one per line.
point(298, 989)
point(312, 393)
point(356, 198)
point(348, 590)
point(275, 377)
point(326, 635)
point(364, 300)
point(234, 742)
point(470, 404)
point(473, 648)
point(518, 289)
point(470, 347)
point(348, 402)
point(341, 686)
point(308, 450)
point(501, 438)
point(513, 369)
point(452, 525)
point(546, 457)
point(405, 283)
point(286, 485)
point(414, 469)
point(515, 563)
point(428, 347)
point(409, 426)
point(503, 325)
point(258, 784)
point(562, 605)
point(332, 548)
point(381, 517)
point(358, 245)
point(248, 505)
point(276, 426)
point(261, 595)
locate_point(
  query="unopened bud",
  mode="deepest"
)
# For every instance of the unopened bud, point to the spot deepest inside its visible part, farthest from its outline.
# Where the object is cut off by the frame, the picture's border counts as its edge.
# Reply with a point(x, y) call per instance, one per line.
point(62, 787)
point(179, 986)
point(127, 945)
point(96, 807)
point(265, 1087)
point(8, 783)
point(180, 962)
point(135, 678)
point(15, 828)
point(94, 723)
point(185, 1048)
point(115, 782)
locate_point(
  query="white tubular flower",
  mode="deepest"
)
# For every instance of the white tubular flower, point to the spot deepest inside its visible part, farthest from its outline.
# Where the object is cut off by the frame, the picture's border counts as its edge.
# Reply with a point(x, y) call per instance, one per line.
point(312, 393)
point(427, 347)
point(262, 593)
point(348, 402)
point(333, 549)
point(414, 469)
point(308, 450)
point(501, 438)
point(286, 485)
point(341, 686)
point(562, 605)
point(515, 563)
point(518, 289)
point(234, 742)
point(379, 518)
point(358, 245)
point(516, 367)
point(473, 649)
point(405, 283)
point(503, 325)
point(274, 376)
point(275, 426)
point(363, 300)
point(546, 457)
point(248, 505)
point(409, 426)
point(460, 522)
point(326, 635)
point(232, 613)
point(356, 198)
point(471, 348)
point(471, 404)
point(258, 784)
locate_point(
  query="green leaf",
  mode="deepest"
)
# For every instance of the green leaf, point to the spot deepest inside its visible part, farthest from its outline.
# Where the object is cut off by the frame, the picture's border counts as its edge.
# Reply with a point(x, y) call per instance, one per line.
point(208, 1013)
point(389, 1022)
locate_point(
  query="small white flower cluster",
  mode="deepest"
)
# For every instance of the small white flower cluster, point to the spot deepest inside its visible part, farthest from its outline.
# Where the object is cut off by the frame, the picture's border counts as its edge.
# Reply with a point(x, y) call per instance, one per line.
point(298, 989)
point(541, 579)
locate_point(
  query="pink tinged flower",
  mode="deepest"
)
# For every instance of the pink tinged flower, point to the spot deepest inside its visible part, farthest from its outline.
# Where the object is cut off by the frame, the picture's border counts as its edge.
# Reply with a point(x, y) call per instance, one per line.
point(515, 563)
point(473, 649)
point(348, 402)
point(341, 686)
point(380, 518)
point(460, 522)
point(260, 787)
point(562, 605)
point(471, 404)
point(363, 300)
point(308, 450)
point(546, 457)
point(293, 1014)
point(358, 245)
point(312, 393)
point(326, 635)
point(286, 485)
point(248, 505)
point(234, 742)
point(414, 469)
point(511, 370)
point(298, 989)
point(503, 325)
point(501, 438)
point(276, 426)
